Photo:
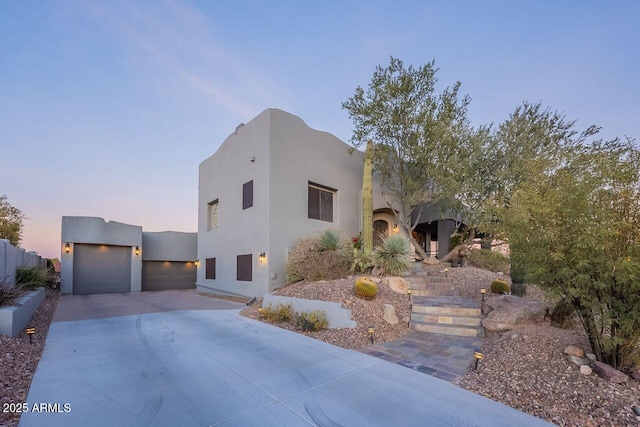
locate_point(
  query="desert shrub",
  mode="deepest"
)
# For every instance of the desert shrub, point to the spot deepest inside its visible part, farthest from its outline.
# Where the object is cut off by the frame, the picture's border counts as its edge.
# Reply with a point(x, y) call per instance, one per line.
point(312, 321)
point(499, 286)
point(281, 313)
point(392, 257)
point(302, 260)
point(325, 256)
point(365, 288)
point(488, 260)
point(30, 277)
point(562, 315)
point(8, 292)
point(335, 256)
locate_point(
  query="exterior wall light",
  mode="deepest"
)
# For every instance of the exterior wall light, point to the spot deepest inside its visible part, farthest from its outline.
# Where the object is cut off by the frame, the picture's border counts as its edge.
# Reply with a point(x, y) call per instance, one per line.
point(137, 250)
point(395, 228)
point(262, 257)
point(197, 262)
point(67, 248)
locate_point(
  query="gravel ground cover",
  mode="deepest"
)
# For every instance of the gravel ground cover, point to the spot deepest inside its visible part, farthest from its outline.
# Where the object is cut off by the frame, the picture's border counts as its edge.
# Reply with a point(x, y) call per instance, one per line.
point(365, 312)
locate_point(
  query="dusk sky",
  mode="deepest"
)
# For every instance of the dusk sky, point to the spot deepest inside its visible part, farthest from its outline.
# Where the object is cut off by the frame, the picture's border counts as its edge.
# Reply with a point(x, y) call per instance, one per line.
point(108, 107)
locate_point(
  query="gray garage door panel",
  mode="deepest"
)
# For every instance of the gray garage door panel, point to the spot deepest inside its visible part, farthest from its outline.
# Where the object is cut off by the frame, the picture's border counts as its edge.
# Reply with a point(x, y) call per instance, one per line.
point(101, 269)
point(166, 275)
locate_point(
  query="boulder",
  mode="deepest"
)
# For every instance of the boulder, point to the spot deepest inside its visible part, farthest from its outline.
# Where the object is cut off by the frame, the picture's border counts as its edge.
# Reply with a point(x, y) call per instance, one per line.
point(431, 261)
point(390, 314)
point(573, 350)
point(397, 284)
point(609, 373)
point(585, 370)
point(507, 312)
point(591, 357)
point(578, 361)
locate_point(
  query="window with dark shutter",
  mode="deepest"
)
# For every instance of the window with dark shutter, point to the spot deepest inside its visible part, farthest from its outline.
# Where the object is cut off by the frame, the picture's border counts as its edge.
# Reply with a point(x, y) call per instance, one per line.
point(247, 195)
point(211, 268)
point(244, 268)
point(320, 201)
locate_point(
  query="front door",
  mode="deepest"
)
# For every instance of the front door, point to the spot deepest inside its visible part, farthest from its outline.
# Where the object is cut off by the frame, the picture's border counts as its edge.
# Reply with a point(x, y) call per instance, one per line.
point(380, 231)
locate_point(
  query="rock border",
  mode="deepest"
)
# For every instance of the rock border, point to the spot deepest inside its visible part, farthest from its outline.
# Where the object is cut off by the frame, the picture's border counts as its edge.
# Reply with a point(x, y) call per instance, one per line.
point(14, 318)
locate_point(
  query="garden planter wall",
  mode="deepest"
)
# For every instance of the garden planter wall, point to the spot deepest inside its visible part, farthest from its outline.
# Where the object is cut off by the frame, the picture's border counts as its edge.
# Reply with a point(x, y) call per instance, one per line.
point(337, 316)
point(13, 319)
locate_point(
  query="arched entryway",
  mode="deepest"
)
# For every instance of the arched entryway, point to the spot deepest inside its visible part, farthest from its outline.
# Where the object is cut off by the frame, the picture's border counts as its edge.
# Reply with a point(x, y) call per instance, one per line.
point(380, 231)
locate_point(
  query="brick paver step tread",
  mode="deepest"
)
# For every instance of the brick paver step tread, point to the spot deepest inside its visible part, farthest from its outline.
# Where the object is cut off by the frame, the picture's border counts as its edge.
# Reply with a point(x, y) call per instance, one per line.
point(448, 301)
point(442, 356)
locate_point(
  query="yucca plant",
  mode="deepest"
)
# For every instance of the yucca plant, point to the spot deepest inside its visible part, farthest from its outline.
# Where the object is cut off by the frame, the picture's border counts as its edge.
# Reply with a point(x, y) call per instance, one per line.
point(332, 241)
point(335, 257)
point(392, 256)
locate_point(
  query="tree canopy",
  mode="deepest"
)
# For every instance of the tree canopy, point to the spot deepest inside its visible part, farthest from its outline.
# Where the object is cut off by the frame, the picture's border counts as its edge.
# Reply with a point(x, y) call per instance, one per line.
point(416, 132)
point(579, 226)
point(568, 205)
point(11, 221)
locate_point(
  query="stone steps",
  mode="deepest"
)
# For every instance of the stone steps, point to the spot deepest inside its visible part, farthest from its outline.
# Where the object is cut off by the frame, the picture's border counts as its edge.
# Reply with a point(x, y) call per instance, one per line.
point(437, 308)
point(461, 331)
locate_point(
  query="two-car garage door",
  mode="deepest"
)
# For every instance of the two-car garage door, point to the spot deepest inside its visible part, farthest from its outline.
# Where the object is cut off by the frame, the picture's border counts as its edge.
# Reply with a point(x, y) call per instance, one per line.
point(101, 269)
point(106, 269)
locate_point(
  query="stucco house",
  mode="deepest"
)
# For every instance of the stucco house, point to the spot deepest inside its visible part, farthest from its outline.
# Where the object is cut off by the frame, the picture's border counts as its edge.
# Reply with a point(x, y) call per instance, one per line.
point(272, 182)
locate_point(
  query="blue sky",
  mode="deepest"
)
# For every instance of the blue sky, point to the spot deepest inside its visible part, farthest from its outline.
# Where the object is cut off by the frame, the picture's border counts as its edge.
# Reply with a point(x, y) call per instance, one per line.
point(107, 108)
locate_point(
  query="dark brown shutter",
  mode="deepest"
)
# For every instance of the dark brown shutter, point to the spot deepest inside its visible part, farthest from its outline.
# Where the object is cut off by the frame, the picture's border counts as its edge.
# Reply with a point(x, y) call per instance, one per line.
point(244, 268)
point(211, 268)
point(247, 194)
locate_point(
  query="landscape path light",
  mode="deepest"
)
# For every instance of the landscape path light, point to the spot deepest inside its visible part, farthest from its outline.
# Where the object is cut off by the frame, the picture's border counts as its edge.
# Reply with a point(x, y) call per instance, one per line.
point(371, 331)
point(30, 332)
point(478, 356)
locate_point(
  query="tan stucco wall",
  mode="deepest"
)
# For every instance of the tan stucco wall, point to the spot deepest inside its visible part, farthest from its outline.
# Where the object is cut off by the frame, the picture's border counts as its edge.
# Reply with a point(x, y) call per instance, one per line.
point(288, 154)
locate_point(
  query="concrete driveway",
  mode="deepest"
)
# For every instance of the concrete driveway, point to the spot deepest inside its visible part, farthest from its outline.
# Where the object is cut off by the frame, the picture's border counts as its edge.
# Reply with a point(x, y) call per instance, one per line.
point(204, 364)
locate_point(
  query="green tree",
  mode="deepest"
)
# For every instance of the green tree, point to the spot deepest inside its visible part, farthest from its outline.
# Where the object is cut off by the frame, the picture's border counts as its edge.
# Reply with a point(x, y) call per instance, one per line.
point(532, 140)
point(417, 135)
point(11, 220)
point(580, 223)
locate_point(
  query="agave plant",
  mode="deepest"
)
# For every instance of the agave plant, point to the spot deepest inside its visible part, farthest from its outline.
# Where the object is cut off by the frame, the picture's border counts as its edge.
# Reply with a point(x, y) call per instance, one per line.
point(392, 256)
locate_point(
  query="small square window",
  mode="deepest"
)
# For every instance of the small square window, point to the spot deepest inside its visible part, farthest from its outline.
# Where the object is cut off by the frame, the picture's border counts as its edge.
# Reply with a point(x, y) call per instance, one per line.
point(210, 268)
point(247, 195)
point(244, 268)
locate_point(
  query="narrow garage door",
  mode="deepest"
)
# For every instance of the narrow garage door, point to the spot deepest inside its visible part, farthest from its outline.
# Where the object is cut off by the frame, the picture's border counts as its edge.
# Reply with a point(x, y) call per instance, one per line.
point(165, 275)
point(101, 269)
